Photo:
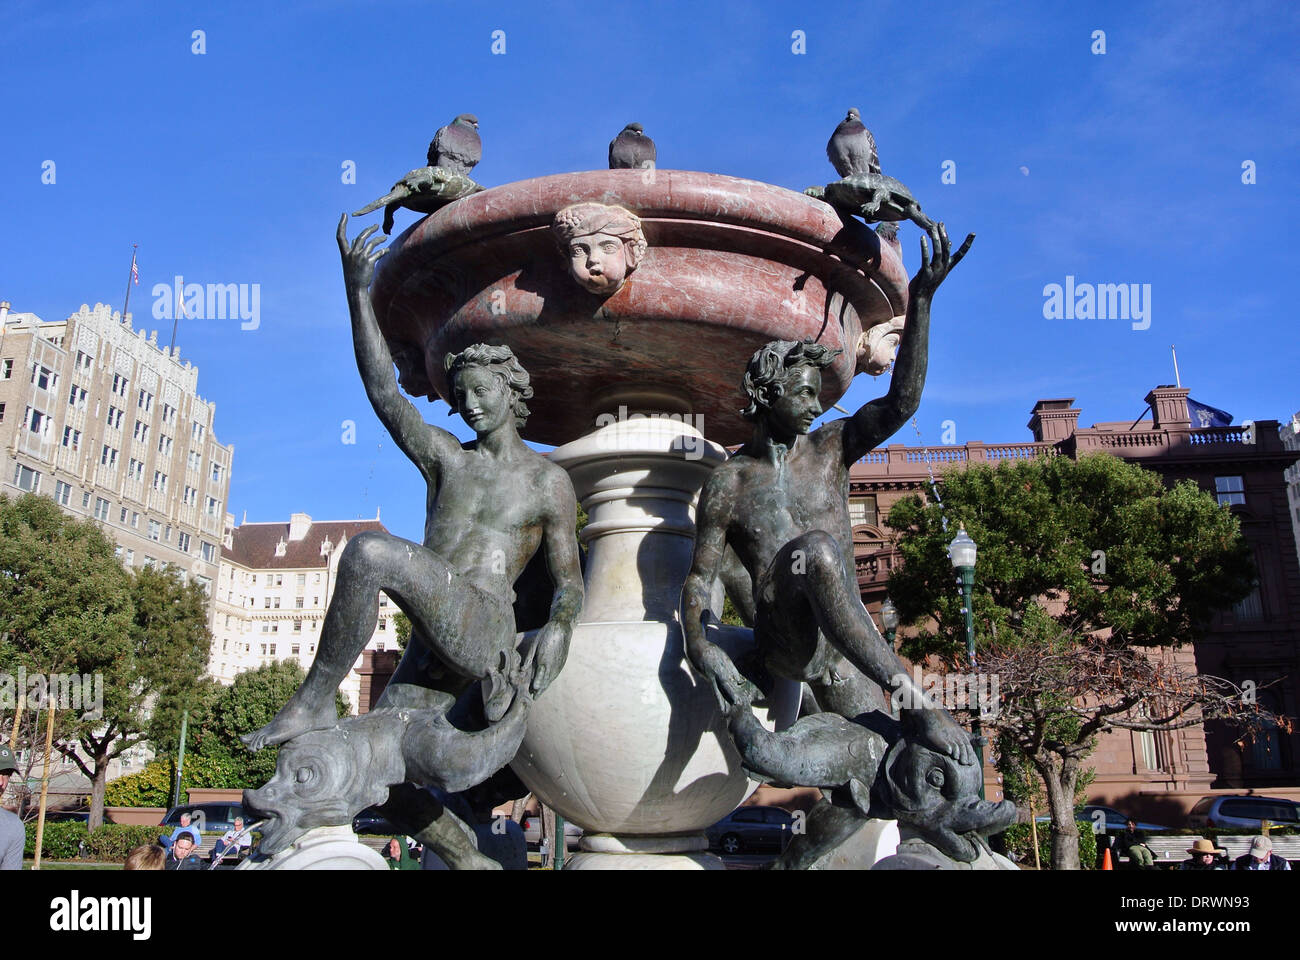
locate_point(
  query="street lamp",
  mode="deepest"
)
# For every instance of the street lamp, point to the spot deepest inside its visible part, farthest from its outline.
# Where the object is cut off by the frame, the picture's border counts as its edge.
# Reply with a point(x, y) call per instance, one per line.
point(962, 554)
point(889, 619)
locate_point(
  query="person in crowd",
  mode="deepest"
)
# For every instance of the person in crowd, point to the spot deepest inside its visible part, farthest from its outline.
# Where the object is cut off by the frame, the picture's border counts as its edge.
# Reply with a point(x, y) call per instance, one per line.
point(1261, 857)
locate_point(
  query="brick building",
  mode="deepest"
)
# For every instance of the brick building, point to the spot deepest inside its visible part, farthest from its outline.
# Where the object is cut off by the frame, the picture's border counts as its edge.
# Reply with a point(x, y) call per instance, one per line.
point(1151, 774)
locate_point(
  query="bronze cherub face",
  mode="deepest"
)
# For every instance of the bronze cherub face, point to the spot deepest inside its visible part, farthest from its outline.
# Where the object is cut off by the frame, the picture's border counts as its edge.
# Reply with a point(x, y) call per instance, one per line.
point(602, 244)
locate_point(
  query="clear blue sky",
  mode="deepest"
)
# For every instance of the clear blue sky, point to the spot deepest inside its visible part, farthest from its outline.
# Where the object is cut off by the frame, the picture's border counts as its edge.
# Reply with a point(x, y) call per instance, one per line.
point(225, 167)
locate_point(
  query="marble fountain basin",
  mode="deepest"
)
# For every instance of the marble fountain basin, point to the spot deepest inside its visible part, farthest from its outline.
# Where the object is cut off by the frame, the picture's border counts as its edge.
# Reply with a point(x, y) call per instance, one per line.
point(730, 265)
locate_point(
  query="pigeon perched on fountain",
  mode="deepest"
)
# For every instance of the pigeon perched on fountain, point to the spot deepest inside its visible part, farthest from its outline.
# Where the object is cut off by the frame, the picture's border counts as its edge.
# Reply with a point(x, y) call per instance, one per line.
point(453, 152)
point(631, 149)
point(852, 148)
point(863, 190)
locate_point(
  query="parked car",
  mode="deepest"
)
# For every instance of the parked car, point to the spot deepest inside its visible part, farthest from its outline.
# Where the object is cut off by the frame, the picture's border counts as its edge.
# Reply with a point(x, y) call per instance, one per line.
point(61, 816)
point(1113, 821)
point(751, 830)
point(1243, 812)
point(208, 817)
point(371, 821)
point(532, 825)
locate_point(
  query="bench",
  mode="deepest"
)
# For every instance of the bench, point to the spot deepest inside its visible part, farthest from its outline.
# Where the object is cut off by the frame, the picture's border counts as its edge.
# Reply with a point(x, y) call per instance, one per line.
point(1169, 851)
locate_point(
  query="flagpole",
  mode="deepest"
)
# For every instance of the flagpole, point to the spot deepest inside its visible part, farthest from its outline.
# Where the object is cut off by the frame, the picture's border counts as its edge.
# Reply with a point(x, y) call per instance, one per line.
point(130, 275)
point(1177, 379)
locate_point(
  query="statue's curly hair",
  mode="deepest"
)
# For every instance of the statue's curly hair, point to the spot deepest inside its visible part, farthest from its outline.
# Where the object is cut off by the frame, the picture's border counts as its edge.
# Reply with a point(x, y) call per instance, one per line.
point(770, 366)
point(500, 361)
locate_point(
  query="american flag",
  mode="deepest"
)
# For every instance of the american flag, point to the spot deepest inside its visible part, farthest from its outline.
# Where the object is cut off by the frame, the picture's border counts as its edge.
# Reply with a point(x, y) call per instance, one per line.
point(135, 271)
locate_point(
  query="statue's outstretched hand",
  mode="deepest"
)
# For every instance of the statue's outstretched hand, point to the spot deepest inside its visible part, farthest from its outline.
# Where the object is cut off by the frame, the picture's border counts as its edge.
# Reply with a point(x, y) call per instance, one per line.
point(360, 257)
point(545, 656)
point(935, 267)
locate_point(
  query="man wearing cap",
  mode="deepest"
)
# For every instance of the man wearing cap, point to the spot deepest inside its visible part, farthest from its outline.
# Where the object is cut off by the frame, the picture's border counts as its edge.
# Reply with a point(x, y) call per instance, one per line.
point(12, 835)
point(182, 855)
point(1205, 856)
point(1261, 857)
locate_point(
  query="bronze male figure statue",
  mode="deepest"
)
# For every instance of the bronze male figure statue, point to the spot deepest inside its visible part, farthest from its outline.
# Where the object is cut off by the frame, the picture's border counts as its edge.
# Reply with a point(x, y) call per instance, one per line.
point(780, 505)
point(492, 504)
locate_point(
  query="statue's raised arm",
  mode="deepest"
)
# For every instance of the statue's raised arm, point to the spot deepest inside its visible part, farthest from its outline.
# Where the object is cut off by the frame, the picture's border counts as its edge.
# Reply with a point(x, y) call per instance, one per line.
point(425, 445)
point(880, 419)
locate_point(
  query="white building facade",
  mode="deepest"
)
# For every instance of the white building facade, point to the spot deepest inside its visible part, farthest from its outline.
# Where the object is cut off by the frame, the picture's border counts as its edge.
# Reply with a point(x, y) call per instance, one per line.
point(272, 590)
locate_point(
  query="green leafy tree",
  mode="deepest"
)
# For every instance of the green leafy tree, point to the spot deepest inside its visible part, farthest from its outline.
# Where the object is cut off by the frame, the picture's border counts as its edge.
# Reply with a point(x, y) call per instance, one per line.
point(250, 702)
point(1089, 571)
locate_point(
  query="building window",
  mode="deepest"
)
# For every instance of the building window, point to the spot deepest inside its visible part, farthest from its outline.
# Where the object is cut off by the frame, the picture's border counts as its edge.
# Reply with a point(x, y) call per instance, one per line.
point(83, 361)
point(167, 534)
point(109, 457)
point(383, 600)
point(196, 432)
point(266, 603)
point(37, 422)
point(145, 402)
point(62, 493)
point(275, 603)
point(71, 438)
point(216, 473)
point(85, 500)
point(6, 368)
point(164, 445)
point(1229, 490)
point(2, 413)
point(297, 626)
point(214, 507)
point(190, 497)
point(195, 461)
point(122, 518)
point(141, 431)
point(114, 419)
point(135, 520)
point(101, 509)
point(135, 471)
point(294, 649)
point(383, 625)
point(297, 603)
point(1250, 607)
point(155, 530)
point(209, 551)
point(77, 397)
point(43, 377)
point(160, 481)
point(130, 558)
point(183, 545)
point(302, 579)
point(25, 478)
point(120, 385)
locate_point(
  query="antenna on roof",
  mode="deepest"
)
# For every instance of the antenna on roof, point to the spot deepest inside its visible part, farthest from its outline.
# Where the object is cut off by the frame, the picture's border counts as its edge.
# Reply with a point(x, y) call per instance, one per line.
point(376, 511)
point(245, 520)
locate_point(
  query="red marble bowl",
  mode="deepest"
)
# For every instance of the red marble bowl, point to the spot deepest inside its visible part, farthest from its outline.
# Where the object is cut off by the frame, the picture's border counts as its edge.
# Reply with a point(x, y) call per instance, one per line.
point(731, 265)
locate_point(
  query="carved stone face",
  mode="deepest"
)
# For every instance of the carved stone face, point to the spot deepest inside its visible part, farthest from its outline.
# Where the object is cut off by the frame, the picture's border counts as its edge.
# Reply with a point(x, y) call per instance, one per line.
point(598, 262)
point(795, 410)
point(483, 399)
point(602, 244)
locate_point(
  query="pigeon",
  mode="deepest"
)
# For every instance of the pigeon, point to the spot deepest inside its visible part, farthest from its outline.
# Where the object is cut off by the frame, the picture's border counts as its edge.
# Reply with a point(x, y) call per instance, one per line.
point(454, 151)
point(631, 149)
point(457, 147)
point(852, 148)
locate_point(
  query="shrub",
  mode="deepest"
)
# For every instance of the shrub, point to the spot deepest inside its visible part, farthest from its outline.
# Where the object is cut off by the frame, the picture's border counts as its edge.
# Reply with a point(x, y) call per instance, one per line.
point(1018, 841)
point(152, 786)
point(70, 841)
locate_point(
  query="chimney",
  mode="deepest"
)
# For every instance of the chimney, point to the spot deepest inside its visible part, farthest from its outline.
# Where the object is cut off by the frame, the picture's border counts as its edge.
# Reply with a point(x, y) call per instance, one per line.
point(299, 524)
point(4, 311)
point(1169, 406)
point(1053, 420)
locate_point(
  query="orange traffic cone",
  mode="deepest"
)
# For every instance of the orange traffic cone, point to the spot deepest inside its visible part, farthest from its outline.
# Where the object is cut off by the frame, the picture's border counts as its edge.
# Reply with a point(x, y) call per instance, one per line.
point(1105, 860)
